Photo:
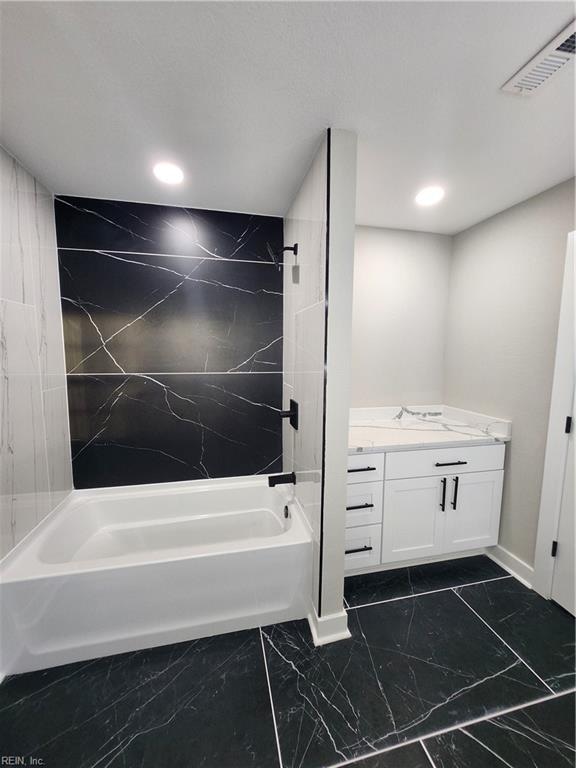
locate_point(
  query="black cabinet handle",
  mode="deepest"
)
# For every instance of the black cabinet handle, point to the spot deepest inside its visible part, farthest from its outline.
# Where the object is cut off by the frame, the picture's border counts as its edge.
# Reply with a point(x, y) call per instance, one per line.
point(455, 498)
point(443, 502)
point(360, 549)
point(360, 506)
point(450, 463)
point(363, 469)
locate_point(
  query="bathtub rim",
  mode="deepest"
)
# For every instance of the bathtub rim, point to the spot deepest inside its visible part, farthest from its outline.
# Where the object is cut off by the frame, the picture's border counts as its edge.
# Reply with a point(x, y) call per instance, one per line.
point(22, 563)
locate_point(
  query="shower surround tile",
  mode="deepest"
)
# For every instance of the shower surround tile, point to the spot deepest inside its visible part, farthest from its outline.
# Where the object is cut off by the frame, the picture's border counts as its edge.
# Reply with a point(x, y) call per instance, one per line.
point(538, 630)
point(57, 443)
point(186, 307)
point(34, 473)
point(24, 484)
point(144, 313)
point(201, 704)
point(541, 736)
point(17, 236)
point(412, 667)
point(130, 429)
point(90, 224)
point(29, 264)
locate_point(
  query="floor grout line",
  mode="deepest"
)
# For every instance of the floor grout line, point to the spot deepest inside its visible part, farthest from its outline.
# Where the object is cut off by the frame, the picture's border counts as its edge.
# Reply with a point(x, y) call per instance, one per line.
point(271, 699)
point(429, 592)
point(456, 727)
point(502, 640)
point(428, 755)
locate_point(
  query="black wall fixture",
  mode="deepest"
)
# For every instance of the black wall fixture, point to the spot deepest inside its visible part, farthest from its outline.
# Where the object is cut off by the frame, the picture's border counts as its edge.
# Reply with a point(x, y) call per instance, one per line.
point(173, 335)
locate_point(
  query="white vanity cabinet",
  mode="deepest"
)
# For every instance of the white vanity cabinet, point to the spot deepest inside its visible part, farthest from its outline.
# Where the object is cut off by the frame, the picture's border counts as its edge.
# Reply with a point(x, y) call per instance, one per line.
point(434, 501)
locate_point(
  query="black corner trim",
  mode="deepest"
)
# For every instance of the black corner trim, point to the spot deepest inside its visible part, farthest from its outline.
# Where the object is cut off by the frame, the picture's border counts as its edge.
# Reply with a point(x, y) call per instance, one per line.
point(554, 548)
point(568, 425)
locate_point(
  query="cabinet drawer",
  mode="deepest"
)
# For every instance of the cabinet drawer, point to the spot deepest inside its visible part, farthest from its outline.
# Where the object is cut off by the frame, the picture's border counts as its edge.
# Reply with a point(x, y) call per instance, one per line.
point(366, 540)
point(363, 504)
point(365, 467)
point(444, 461)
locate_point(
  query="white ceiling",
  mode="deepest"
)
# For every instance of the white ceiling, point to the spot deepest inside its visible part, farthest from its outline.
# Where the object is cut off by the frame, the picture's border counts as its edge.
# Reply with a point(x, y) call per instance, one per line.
point(239, 94)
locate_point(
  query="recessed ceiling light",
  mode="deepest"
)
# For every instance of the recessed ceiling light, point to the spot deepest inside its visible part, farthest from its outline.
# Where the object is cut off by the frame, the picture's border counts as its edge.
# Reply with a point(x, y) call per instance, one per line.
point(429, 196)
point(168, 173)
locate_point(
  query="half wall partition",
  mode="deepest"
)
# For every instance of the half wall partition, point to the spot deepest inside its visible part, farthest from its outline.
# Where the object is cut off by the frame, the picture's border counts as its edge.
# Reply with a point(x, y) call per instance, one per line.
point(317, 351)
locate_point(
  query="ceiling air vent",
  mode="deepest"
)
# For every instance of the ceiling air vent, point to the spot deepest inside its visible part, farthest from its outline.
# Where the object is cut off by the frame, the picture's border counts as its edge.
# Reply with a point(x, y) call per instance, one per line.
point(550, 60)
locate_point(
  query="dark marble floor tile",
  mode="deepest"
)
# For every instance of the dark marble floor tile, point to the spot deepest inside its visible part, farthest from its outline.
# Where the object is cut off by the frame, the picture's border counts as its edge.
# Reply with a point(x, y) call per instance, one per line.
point(401, 582)
point(539, 736)
point(412, 667)
point(128, 430)
point(201, 704)
point(142, 313)
point(410, 756)
point(94, 224)
point(538, 630)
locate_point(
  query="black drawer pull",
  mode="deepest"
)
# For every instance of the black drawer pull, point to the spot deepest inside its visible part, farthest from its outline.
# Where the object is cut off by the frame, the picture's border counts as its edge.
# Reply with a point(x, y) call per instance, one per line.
point(363, 469)
point(360, 549)
point(450, 463)
point(360, 506)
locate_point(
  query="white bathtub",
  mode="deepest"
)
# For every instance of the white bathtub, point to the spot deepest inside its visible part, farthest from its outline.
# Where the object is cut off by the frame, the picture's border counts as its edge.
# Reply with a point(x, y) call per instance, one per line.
point(121, 569)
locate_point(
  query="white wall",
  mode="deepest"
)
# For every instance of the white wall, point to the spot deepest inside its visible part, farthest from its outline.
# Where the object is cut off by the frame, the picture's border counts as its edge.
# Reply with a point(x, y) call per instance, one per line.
point(401, 282)
point(35, 465)
point(502, 325)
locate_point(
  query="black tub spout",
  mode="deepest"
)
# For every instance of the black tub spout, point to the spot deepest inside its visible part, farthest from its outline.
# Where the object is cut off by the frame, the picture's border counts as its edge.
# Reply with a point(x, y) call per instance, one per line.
point(289, 477)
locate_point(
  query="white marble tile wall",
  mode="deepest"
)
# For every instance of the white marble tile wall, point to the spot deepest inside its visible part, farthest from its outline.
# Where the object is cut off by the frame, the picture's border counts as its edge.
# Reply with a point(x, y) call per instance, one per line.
point(304, 291)
point(35, 473)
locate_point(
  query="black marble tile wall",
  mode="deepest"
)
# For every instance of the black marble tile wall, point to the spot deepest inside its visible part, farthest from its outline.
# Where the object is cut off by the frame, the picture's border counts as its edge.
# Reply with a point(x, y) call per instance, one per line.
point(173, 336)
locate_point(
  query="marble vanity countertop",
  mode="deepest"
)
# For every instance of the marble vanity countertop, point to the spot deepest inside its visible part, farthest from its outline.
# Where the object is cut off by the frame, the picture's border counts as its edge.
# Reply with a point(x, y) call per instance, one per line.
point(403, 428)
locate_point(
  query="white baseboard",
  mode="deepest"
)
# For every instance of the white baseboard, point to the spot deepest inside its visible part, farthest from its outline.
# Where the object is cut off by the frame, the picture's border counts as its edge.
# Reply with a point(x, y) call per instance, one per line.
point(518, 568)
point(329, 629)
point(416, 561)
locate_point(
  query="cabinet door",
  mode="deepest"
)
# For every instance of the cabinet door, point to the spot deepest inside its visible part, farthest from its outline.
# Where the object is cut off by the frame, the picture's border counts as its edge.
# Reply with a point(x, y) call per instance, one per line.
point(473, 510)
point(413, 520)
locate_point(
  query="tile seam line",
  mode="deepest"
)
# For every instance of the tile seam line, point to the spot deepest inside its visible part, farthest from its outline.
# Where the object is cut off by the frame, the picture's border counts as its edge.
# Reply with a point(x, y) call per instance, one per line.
point(427, 753)
point(502, 640)
point(18, 303)
point(104, 251)
point(181, 373)
point(280, 763)
point(429, 592)
point(456, 727)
